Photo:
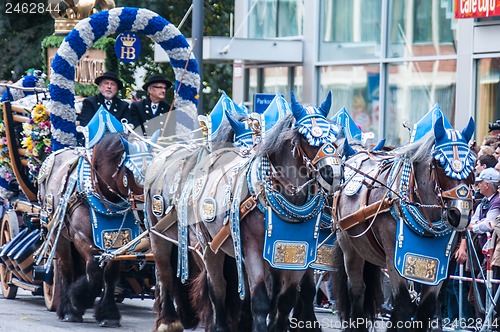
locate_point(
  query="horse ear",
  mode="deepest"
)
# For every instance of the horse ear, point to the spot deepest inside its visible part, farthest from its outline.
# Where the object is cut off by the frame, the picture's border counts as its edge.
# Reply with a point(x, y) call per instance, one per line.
point(468, 131)
point(348, 149)
point(297, 109)
point(380, 145)
point(439, 130)
point(325, 107)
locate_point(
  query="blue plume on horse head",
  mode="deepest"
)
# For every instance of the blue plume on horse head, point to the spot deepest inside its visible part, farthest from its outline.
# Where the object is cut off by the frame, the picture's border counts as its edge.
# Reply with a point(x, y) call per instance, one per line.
point(326, 105)
point(275, 111)
point(345, 121)
point(425, 124)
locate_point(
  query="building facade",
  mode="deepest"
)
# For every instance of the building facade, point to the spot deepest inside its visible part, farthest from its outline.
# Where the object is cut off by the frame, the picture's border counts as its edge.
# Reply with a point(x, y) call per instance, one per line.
point(386, 61)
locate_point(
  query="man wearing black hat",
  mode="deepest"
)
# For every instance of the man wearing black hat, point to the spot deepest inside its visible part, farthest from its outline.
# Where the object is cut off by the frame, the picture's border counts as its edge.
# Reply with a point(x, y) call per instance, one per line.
point(108, 84)
point(143, 110)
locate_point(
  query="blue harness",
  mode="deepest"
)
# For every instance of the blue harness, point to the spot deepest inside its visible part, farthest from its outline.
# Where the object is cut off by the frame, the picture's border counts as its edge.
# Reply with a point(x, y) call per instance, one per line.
point(292, 232)
point(113, 224)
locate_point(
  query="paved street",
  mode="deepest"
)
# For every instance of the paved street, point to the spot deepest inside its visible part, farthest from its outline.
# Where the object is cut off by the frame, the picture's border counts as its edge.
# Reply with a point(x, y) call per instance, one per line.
point(28, 313)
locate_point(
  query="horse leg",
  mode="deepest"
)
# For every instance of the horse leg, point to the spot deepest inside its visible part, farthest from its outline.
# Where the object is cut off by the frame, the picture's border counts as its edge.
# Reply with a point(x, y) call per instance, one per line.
point(354, 268)
point(304, 310)
point(255, 270)
point(428, 312)
point(167, 318)
point(185, 309)
point(214, 264)
point(65, 276)
point(106, 311)
point(404, 307)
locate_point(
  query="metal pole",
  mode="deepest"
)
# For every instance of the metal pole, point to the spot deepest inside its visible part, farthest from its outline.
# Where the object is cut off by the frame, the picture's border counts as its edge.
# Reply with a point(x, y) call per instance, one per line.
point(197, 27)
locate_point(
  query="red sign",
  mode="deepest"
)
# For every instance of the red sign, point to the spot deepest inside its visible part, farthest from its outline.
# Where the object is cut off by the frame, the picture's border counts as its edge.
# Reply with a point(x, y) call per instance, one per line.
point(476, 8)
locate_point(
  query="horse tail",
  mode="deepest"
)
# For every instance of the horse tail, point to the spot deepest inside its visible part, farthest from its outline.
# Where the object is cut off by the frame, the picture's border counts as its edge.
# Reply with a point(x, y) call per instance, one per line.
point(339, 275)
point(200, 298)
point(372, 276)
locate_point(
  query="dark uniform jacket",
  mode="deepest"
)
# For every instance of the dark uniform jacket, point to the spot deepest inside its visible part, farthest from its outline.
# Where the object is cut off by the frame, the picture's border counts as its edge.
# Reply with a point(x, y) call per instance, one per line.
point(119, 108)
point(141, 112)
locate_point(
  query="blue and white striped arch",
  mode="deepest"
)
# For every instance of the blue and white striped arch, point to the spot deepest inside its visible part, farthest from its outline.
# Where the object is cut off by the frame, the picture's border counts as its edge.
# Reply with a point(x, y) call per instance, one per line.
point(103, 24)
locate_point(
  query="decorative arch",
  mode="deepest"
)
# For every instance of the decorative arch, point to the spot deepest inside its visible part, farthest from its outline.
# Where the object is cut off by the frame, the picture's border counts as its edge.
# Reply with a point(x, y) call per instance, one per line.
point(103, 24)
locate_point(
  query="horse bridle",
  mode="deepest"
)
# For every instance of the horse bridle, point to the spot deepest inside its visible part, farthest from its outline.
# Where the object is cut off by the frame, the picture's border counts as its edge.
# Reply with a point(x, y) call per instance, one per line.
point(326, 156)
point(458, 198)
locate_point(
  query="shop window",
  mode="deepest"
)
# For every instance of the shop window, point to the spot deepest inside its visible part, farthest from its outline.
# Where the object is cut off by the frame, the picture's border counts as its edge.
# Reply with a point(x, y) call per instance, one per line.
point(414, 88)
point(421, 28)
point(350, 29)
point(275, 18)
point(357, 89)
point(488, 96)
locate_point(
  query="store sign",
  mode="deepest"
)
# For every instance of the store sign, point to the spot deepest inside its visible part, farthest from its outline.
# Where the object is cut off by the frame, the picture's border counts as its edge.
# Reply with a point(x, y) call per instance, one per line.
point(261, 101)
point(476, 8)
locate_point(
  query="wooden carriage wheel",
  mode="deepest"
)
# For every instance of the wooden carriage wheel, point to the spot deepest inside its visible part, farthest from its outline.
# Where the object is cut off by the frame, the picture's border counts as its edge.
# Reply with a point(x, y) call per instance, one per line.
point(9, 229)
point(51, 293)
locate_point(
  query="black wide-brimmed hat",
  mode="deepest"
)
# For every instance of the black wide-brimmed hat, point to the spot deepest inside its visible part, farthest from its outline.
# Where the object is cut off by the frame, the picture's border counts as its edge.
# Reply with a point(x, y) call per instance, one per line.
point(109, 75)
point(156, 79)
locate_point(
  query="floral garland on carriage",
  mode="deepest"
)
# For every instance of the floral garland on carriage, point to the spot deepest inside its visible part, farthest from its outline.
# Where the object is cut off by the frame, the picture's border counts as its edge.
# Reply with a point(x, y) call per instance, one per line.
point(6, 173)
point(36, 139)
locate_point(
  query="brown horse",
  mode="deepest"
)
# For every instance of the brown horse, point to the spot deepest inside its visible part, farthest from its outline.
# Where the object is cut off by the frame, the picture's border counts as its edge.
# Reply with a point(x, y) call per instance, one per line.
point(232, 195)
point(164, 187)
point(75, 186)
point(399, 211)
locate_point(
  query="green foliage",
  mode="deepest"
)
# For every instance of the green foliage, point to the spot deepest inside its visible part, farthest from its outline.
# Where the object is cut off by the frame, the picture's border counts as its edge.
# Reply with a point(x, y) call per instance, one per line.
point(21, 34)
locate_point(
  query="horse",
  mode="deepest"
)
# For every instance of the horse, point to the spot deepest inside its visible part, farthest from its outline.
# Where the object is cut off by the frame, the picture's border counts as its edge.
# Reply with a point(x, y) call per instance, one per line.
point(76, 186)
point(399, 210)
point(230, 200)
point(169, 170)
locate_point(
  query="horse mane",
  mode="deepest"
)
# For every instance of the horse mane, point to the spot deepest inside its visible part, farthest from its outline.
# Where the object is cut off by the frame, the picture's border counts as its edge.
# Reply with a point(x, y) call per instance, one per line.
point(278, 136)
point(225, 136)
point(420, 151)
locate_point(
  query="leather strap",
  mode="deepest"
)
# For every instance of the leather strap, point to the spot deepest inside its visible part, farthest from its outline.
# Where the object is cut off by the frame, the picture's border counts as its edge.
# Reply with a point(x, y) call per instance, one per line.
point(365, 213)
point(225, 232)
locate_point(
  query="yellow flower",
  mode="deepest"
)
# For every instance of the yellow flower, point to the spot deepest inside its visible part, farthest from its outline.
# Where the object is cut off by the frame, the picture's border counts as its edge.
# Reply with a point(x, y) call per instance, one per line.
point(27, 143)
point(2, 128)
point(47, 141)
point(39, 113)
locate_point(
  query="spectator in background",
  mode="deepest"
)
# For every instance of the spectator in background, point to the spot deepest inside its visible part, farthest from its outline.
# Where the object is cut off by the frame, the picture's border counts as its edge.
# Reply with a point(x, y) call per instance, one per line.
point(154, 104)
point(484, 220)
point(108, 85)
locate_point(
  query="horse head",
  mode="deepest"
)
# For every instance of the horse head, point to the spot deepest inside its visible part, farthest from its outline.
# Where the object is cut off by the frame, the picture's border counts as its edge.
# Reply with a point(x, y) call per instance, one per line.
point(454, 172)
point(439, 176)
point(120, 165)
point(317, 142)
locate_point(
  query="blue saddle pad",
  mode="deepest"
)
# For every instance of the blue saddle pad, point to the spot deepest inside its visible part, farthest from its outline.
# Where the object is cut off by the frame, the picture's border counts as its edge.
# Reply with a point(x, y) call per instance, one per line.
point(290, 246)
point(113, 231)
point(422, 259)
point(324, 259)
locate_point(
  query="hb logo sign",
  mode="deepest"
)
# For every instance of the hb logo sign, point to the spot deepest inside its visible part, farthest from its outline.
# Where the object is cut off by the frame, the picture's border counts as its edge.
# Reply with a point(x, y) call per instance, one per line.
point(127, 46)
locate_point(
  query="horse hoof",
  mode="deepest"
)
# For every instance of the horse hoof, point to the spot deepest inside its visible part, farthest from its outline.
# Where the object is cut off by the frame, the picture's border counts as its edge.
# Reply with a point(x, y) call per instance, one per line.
point(171, 327)
point(72, 318)
point(109, 323)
